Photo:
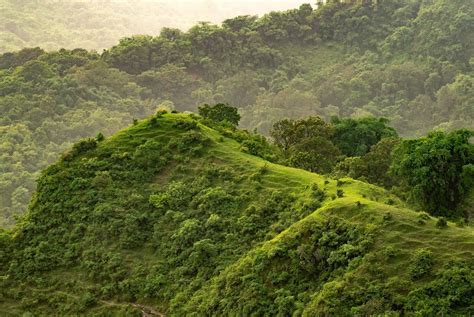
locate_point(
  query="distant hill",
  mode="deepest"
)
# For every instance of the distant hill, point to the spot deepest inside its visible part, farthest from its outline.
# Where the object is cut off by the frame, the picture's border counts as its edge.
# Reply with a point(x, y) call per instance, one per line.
point(172, 217)
point(96, 25)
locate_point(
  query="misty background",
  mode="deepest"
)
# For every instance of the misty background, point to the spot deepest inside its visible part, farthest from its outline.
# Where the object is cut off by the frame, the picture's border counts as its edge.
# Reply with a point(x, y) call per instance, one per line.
point(99, 24)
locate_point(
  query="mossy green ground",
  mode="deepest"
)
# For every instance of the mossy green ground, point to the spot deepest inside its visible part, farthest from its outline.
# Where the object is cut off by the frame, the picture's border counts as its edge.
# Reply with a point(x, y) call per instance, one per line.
point(381, 237)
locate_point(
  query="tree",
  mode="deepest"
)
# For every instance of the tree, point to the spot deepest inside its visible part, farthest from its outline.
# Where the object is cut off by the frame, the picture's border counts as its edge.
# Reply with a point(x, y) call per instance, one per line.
point(378, 162)
point(315, 154)
point(220, 113)
point(307, 143)
point(288, 132)
point(437, 170)
point(354, 137)
point(374, 166)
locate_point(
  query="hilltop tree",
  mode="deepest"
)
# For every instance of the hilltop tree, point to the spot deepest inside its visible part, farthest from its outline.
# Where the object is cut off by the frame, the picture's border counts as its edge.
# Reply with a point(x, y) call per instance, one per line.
point(220, 113)
point(437, 171)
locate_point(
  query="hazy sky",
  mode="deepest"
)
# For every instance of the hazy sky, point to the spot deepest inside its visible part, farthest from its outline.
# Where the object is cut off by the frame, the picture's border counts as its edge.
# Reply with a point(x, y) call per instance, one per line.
point(98, 24)
point(217, 10)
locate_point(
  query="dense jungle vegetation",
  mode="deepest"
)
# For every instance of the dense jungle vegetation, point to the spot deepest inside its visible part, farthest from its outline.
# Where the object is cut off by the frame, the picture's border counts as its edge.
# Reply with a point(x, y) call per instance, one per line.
point(310, 162)
point(174, 216)
point(407, 61)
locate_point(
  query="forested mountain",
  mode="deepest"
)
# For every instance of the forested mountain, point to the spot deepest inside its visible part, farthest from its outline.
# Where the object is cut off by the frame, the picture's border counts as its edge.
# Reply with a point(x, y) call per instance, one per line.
point(408, 61)
point(174, 216)
point(99, 24)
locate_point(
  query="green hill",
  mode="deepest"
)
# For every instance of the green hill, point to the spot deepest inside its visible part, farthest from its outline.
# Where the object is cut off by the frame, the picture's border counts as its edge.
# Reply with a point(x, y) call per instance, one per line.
point(408, 61)
point(172, 217)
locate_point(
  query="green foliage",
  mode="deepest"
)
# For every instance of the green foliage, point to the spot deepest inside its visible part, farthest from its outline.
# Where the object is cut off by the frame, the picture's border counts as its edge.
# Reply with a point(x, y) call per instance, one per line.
point(441, 223)
point(220, 113)
point(450, 290)
point(100, 137)
point(80, 148)
point(355, 59)
point(306, 143)
point(436, 170)
point(355, 137)
point(175, 211)
point(293, 268)
point(374, 166)
point(169, 216)
point(49, 101)
point(421, 263)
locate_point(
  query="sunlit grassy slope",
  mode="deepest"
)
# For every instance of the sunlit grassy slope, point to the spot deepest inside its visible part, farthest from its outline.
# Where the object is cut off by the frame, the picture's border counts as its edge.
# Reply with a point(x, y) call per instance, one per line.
point(230, 234)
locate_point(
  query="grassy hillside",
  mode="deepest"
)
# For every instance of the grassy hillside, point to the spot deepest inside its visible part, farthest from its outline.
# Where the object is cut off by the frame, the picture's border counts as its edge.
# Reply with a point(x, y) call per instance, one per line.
point(170, 216)
point(408, 61)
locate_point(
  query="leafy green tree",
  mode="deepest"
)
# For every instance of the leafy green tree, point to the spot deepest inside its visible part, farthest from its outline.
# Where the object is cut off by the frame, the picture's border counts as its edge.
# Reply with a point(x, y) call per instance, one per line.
point(307, 143)
point(220, 113)
point(315, 154)
point(372, 167)
point(289, 132)
point(437, 170)
point(12, 60)
point(354, 137)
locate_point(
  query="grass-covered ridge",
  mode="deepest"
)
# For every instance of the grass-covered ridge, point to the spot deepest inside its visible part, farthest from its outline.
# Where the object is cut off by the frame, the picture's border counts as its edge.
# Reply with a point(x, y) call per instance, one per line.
point(169, 216)
point(405, 60)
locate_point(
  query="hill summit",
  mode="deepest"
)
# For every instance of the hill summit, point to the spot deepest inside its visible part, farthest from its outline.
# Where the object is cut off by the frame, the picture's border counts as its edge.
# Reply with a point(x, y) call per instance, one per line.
point(172, 216)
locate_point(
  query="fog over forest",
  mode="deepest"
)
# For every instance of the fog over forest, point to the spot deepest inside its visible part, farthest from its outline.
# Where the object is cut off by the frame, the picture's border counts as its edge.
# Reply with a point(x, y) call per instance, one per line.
point(99, 24)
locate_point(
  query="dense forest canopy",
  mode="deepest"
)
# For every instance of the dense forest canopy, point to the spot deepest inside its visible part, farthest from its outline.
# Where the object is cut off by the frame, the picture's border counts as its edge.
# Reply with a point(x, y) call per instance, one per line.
point(407, 61)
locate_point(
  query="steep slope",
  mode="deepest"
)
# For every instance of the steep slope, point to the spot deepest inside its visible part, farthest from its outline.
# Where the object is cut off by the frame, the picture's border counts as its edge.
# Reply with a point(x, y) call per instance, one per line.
point(170, 216)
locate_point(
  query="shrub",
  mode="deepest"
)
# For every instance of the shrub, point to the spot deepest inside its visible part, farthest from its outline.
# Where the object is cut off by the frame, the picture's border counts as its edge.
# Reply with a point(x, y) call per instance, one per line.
point(160, 113)
point(153, 122)
point(340, 193)
point(317, 193)
point(100, 137)
point(461, 223)
point(387, 216)
point(186, 125)
point(441, 223)
point(81, 147)
point(446, 295)
point(188, 232)
point(220, 113)
point(390, 252)
point(421, 263)
point(424, 216)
